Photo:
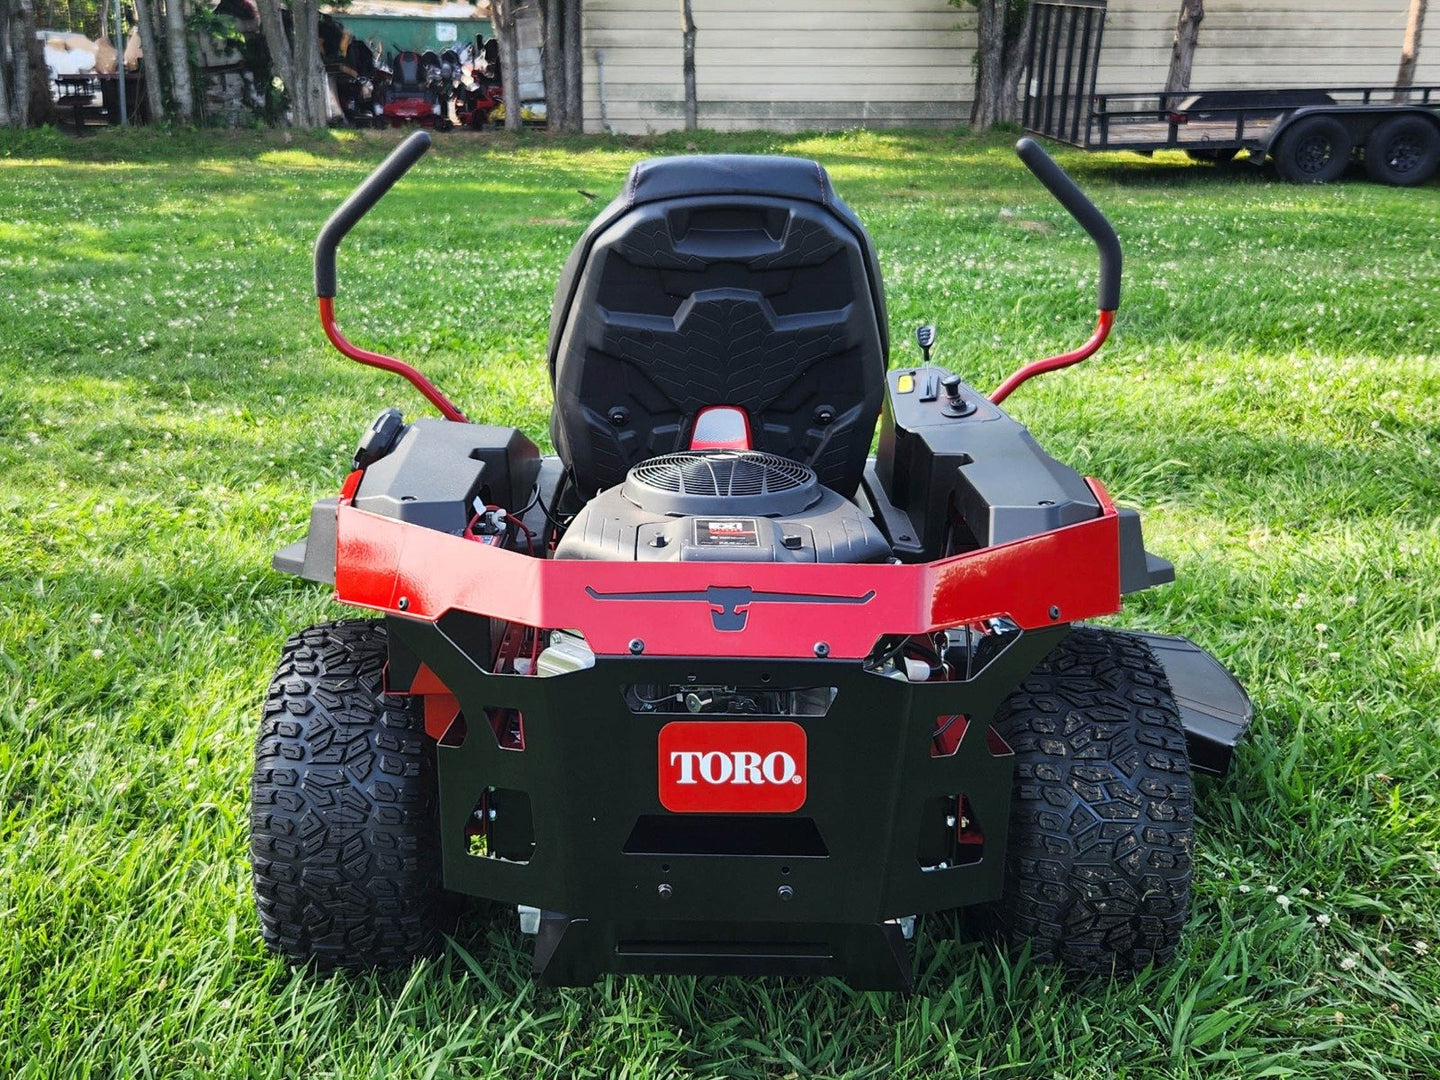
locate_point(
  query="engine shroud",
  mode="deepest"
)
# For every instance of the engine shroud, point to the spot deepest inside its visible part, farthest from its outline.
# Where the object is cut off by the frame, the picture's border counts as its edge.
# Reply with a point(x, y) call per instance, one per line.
point(722, 506)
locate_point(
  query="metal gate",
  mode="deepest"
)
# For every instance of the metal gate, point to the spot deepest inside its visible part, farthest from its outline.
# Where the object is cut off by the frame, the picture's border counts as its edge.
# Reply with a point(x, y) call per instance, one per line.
point(1060, 68)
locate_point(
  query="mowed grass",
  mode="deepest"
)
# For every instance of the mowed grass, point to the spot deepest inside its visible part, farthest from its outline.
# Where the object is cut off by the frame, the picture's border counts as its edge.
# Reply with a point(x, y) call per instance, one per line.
point(168, 410)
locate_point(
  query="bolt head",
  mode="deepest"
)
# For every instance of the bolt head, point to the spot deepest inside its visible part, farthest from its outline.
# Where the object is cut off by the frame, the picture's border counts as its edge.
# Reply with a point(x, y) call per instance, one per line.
point(822, 649)
point(637, 646)
point(664, 891)
point(785, 892)
point(403, 603)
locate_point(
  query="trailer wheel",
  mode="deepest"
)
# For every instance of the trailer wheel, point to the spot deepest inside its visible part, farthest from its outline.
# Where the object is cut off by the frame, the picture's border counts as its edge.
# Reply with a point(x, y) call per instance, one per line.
point(1314, 151)
point(344, 836)
point(1097, 872)
point(1404, 151)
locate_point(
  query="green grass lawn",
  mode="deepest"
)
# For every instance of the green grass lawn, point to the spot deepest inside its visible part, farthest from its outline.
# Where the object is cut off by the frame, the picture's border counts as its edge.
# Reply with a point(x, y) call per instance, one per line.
point(168, 410)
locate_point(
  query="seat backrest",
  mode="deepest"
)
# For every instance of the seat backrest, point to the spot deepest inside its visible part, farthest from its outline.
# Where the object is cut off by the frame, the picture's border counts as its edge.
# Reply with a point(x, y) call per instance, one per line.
point(719, 280)
point(407, 71)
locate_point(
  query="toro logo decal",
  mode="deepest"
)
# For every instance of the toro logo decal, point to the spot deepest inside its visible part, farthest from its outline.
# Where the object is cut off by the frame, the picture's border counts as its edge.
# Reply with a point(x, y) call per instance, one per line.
point(732, 767)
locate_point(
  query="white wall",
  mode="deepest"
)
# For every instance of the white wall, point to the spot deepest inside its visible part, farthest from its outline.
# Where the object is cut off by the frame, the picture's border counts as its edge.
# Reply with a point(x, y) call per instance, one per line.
point(1266, 43)
point(780, 64)
point(799, 64)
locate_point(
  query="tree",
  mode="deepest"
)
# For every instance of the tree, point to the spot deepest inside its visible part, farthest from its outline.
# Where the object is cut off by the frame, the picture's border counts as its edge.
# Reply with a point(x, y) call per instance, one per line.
point(179, 46)
point(1410, 50)
point(560, 21)
point(574, 65)
point(295, 58)
point(17, 33)
point(1004, 28)
point(1182, 50)
point(687, 30)
point(150, 58)
point(502, 14)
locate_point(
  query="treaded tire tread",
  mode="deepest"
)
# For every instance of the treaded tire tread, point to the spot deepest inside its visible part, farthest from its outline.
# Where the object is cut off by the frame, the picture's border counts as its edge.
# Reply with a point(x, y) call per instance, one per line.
point(344, 836)
point(1098, 866)
point(1426, 134)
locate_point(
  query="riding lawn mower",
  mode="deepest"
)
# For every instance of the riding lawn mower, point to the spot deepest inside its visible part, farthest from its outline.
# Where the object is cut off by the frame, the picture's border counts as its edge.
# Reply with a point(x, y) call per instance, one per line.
point(715, 688)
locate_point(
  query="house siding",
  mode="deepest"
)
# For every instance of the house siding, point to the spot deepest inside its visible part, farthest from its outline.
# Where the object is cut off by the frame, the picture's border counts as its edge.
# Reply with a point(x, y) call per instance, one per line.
point(1276, 44)
point(790, 65)
point(784, 65)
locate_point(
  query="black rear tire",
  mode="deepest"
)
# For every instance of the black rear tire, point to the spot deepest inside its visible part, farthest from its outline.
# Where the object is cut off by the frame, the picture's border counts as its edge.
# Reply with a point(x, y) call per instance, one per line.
point(1098, 866)
point(1404, 151)
point(344, 836)
point(1315, 151)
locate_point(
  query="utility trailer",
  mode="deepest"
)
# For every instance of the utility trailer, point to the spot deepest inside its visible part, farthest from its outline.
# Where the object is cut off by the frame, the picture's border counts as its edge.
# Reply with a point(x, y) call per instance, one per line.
point(1311, 134)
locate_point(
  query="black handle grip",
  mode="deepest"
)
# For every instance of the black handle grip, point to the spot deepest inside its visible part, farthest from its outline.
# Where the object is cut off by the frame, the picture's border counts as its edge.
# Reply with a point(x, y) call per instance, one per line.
point(1083, 211)
point(360, 202)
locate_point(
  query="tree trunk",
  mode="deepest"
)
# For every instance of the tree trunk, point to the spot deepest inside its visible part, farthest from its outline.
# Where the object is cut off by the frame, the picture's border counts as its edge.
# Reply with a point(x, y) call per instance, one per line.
point(574, 66)
point(179, 44)
point(1182, 51)
point(309, 60)
point(552, 20)
point(22, 31)
point(1410, 51)
point(687, 64)
point(990, 55)
point(687, 30)
point(1016, 51)
point(7, 113)
point(504, 16)
point(282, 62)
point(150, 60)
point(298, 62)
point(41, 105)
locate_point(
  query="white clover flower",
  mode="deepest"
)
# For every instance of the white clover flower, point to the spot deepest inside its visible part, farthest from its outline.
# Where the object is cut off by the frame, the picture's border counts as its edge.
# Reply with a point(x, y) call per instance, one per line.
point(1347, 963)
point(96, 618)
point(1272, 889)
point(1321, 627)
point(1421, 948)
point(1283, 901)
point(1322, 920)
point(1244, 888)
point(97, 654)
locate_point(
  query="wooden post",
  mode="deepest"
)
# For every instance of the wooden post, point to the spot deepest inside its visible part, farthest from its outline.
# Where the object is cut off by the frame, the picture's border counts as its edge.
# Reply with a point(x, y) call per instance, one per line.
point(1182, 51)
point(574, 66)
point(687, 28)
point(1410, 51)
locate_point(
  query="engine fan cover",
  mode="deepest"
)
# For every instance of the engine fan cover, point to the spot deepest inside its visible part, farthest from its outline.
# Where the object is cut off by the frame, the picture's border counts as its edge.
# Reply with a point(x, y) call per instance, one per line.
point(722, 482)
point(722, 506)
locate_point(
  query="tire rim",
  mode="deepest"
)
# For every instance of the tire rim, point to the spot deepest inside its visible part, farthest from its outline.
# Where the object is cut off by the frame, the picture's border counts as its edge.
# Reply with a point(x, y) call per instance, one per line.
point(1313, 155)
point(1402, 153)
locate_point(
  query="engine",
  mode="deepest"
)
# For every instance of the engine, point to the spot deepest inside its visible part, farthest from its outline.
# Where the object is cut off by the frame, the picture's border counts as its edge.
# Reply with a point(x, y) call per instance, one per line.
point(722, 506)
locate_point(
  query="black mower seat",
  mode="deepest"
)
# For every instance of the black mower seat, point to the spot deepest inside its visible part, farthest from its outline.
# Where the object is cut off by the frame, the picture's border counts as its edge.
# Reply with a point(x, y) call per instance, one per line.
point(719, 280)
point(408, 77)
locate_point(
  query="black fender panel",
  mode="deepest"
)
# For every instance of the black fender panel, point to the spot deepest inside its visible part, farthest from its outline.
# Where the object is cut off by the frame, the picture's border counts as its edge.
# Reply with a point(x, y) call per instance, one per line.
point(1215, 710)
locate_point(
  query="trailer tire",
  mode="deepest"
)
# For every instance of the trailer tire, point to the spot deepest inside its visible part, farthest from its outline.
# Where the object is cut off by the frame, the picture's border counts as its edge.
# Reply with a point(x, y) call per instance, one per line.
point(1315, 150)
point(344, 831)
point(1404, 151)
point(1098, 867)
